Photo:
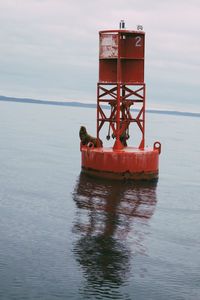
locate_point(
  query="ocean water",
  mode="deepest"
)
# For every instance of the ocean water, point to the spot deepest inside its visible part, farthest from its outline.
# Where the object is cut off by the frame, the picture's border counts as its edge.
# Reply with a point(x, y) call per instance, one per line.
point(64, 235)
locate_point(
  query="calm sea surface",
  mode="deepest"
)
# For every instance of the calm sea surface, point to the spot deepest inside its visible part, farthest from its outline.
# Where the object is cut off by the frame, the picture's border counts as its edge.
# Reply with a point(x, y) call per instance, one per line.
point(66, 236)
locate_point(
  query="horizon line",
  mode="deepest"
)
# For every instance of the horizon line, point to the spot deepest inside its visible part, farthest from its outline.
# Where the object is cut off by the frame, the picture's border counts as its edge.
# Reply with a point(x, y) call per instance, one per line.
point(90, 105)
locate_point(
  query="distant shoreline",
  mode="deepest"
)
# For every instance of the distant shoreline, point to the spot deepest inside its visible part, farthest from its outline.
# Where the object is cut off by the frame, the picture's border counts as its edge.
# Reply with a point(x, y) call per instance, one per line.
point(88, 105)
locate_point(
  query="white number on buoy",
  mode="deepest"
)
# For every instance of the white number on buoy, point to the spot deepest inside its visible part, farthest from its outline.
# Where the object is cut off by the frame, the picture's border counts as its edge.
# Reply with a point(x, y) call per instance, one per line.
point(138, 41)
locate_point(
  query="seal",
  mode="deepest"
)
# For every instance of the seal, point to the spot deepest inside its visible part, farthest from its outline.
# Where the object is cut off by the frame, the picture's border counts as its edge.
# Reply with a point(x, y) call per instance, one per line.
point(86, 138)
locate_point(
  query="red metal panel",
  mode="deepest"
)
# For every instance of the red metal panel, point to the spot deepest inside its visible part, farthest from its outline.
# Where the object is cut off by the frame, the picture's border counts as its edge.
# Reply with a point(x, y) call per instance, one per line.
point(132, 46)
point(132, 71)
point(108, 70)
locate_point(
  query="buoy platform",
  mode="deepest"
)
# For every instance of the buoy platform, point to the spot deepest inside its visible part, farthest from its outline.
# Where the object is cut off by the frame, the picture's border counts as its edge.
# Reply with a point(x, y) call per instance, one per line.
point(129, 163)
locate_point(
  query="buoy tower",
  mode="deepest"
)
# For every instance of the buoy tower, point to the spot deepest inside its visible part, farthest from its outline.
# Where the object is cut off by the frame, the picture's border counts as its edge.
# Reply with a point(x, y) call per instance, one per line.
point(121, 105)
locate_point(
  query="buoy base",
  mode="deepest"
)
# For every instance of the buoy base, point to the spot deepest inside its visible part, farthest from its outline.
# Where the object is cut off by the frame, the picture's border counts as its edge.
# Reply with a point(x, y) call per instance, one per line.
point(130, 163)
point(122, 176)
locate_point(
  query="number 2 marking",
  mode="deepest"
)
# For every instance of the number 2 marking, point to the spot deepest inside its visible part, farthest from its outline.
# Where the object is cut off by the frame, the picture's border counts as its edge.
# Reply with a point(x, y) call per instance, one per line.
point(138, 40)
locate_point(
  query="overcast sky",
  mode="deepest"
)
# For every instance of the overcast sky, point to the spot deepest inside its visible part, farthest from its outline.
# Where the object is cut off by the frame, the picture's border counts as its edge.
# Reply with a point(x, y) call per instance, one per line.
point(49, 48)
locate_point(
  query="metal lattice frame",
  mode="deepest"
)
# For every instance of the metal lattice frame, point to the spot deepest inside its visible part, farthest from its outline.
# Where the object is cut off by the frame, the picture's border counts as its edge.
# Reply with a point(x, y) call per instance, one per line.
point(121, 97)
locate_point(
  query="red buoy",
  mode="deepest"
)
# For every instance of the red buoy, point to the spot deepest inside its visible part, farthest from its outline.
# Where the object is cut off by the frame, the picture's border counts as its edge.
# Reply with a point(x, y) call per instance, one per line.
point(121, 88)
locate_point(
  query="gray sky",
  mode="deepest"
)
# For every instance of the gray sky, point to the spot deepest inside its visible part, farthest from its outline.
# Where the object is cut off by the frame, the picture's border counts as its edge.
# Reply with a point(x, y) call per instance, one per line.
point(49, 48)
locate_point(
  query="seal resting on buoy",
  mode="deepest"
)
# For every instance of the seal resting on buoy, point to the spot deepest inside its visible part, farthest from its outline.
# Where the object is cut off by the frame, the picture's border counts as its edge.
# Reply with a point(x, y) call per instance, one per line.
point(86, 138)
point(123, 137)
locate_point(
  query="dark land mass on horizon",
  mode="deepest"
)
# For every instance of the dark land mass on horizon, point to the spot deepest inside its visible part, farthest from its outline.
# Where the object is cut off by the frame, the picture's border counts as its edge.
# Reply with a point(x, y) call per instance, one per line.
point(88, 105)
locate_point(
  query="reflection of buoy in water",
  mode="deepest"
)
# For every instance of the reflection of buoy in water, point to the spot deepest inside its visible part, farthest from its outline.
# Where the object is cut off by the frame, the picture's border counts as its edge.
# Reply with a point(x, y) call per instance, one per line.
point(121, 86)
point(111, 225)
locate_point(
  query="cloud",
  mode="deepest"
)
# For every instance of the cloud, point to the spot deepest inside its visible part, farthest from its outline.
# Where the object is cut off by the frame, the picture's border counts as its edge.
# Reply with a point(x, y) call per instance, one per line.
point(49, 48)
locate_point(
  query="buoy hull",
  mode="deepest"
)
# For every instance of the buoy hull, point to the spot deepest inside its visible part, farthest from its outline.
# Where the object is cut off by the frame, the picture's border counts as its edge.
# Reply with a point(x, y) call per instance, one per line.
point(129, 163)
